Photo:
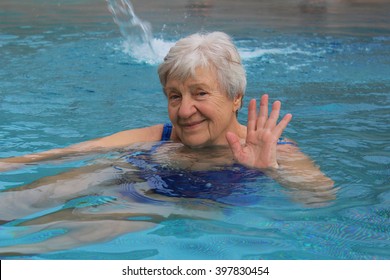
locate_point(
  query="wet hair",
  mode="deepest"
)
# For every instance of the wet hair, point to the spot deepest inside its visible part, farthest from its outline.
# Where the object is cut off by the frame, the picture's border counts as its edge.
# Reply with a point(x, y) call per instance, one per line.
point(205, 50)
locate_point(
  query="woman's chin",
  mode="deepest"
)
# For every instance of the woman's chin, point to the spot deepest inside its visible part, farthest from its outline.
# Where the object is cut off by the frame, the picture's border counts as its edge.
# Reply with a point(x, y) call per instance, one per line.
point(194, 143)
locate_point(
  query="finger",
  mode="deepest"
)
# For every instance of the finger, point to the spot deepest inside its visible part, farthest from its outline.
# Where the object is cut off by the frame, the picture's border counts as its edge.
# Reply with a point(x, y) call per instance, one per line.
point(274, 116)
point(252, 114)
point(263, 114)
point(234, 144)
point(278, 130)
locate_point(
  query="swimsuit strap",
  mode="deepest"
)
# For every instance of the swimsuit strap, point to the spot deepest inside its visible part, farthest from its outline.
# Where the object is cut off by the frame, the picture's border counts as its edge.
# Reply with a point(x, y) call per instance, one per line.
point(166, 133)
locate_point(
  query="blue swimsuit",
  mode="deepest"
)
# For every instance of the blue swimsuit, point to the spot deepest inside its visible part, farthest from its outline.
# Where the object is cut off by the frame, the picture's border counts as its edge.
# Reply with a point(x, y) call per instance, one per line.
point(228, 185)
point(234, 185)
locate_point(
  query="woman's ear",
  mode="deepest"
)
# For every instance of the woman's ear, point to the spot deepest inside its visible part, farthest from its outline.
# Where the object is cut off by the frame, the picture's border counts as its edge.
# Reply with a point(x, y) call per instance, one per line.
point(237, 102)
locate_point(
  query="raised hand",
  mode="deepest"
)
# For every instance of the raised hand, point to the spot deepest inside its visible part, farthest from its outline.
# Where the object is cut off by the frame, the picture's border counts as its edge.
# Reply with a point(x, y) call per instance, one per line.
point(263, 132)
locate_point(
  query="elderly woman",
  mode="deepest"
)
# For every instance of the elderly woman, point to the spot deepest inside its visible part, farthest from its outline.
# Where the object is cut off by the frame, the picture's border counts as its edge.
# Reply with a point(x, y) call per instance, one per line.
point(204, 82)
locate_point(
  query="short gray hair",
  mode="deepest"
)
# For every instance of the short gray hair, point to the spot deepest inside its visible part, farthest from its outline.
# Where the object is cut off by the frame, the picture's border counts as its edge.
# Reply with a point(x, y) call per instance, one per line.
point(214, 49)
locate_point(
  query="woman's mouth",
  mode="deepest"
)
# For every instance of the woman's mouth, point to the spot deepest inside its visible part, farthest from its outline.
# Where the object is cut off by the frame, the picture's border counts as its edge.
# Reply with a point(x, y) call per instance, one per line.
point(191, 125)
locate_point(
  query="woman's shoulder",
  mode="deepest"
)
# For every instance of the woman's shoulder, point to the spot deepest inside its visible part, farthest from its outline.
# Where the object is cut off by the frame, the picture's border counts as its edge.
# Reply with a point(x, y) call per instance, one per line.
point(131, 136)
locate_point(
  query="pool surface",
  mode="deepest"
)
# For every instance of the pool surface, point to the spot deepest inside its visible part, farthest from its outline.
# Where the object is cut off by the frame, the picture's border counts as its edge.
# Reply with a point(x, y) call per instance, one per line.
point(68, 74)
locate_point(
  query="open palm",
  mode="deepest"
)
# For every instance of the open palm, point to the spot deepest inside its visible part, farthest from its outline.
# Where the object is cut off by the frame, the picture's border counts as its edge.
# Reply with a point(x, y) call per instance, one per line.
point(263, 132)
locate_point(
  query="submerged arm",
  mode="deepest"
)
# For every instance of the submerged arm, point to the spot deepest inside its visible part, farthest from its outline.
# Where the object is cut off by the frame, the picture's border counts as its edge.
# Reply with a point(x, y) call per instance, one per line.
point(298, 171)
point(117, 140)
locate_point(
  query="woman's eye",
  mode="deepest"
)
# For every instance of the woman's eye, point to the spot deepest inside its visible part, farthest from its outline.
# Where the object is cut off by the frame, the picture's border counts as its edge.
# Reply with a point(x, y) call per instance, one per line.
point(202, 93)
point(174, 97)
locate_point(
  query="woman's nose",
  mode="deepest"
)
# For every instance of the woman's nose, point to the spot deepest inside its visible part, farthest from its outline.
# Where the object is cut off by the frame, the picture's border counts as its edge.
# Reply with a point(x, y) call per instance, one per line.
point(187, 108)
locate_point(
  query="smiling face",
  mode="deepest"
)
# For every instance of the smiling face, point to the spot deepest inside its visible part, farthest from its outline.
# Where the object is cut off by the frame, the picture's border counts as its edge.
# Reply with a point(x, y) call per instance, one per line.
point(200, 110)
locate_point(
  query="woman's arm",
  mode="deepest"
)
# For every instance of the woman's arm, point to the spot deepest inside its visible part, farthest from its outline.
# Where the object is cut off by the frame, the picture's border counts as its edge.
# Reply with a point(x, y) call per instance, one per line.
point(117, 140)
point(297, 170)
point(285, 163)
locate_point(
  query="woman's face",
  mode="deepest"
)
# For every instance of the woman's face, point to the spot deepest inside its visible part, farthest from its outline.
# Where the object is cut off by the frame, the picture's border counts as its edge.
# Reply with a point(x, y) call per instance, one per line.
point(200, 110)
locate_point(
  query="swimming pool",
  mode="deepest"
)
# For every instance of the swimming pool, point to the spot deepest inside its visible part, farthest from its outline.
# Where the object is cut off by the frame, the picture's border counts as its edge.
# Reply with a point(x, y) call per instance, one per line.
point(67, 76)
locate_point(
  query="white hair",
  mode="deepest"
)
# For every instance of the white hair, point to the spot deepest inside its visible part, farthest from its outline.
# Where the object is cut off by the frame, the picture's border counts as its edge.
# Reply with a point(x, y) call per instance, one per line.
point(214, 49)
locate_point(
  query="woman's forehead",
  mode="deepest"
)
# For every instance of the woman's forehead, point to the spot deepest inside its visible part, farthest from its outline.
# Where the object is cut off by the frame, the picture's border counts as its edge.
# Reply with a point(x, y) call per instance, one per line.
point(201, 76)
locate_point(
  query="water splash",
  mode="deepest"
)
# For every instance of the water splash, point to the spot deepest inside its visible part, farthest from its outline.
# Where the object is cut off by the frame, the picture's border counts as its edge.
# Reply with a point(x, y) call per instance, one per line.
point(138, 37)
point(140, 44)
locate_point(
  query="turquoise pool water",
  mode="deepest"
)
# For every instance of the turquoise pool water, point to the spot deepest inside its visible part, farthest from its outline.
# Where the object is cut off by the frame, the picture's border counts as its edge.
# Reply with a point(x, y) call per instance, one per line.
point(67, 75)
